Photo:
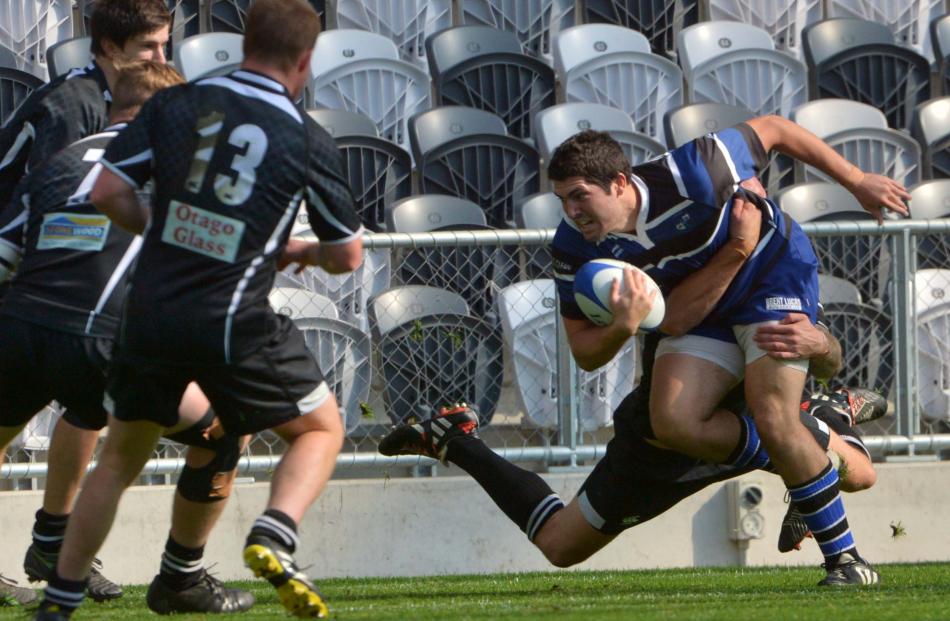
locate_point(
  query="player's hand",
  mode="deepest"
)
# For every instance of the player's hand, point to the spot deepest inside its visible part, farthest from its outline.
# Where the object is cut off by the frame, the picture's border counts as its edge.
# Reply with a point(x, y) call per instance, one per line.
point(877, 192)
point(745, 224)
point(296, 251)
point(794, 337)
point(632, 302)
point(755, 186)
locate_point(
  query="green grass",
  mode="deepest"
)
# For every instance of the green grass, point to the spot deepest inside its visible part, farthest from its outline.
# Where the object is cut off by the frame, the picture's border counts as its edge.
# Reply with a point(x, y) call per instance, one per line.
point(909, 593)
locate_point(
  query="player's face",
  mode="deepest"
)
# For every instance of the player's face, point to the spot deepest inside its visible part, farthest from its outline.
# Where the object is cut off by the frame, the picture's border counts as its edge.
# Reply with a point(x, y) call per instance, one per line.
point(594, 211)
point(147, 46)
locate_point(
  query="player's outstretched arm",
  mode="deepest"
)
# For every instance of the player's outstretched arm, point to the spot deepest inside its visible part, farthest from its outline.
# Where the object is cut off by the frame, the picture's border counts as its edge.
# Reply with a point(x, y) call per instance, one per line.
point(113, 196)
point(874, 192)
point(333, 258)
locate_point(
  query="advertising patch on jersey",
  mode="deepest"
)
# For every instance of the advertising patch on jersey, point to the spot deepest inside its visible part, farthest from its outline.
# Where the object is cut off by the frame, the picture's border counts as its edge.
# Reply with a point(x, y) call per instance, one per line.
point(73, 231)
point(785, 304)
point(202, 231)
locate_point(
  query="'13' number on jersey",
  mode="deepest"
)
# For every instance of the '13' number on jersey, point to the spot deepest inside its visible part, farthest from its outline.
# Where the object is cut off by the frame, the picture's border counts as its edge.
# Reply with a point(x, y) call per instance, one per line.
point(234, 186)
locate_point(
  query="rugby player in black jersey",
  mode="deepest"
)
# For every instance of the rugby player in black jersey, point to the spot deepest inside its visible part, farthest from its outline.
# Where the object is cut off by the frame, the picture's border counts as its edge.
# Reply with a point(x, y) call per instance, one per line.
point(226, 192)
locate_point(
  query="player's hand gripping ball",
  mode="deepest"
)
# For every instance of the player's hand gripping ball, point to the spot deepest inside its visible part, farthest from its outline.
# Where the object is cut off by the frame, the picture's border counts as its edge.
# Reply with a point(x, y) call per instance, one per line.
point(592, 292)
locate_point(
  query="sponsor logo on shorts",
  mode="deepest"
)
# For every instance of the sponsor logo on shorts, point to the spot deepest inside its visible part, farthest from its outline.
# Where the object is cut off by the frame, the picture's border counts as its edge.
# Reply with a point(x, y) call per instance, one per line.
point(788, 304)
point(73, 231)
point(202, 231)
point(631, 520)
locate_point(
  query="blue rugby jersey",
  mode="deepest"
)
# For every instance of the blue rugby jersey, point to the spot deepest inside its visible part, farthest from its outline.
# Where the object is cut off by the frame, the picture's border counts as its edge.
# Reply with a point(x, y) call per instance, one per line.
point(686, 200)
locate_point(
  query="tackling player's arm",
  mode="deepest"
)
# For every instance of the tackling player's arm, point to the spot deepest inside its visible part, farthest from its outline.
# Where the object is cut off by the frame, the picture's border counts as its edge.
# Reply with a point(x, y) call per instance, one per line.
point(797, 337)
point(113, 196)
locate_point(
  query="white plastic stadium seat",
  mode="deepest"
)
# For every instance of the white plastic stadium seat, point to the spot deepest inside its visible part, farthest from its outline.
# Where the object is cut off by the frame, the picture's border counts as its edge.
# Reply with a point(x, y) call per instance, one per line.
point(68, 54)
point(556, 124)
point(29, 27)
point(209, 54)
point(909, 20)
point(933, 343)
point(299, 303)
point(784, 21)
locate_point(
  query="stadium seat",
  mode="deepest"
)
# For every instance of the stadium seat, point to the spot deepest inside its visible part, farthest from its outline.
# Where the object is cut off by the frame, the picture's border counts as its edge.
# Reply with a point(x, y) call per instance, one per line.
point(535, 22)
point(68, 54)
point(298, 303)
point(378, 171)
point(15, 87)
point(859, 60)
point(784, 21)
point(467, 153)
point(427, 212)
point(931, 128)
point(694, 120)
point(187, 20)
point(529, 325)
point(659, 20)
point(940, 38)
point(930, 200)
point(611, 65)
point(361, 71)
point(908, 21)
point(556, 124)
point(860, 134)
point(539, 211)
point(735, 63)
point(860, 259)
point(7, 58)
point(932, 308)
point(209, 54)
point(485, 68)
point(29, 28)
point(231, 15)
point(867, 345)
point(433, 352)
point(834, 290)
point(406, 23)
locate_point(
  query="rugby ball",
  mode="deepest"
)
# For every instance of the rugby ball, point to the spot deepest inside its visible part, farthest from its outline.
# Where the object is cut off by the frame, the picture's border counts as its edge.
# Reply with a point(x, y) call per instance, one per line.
point(592, 292)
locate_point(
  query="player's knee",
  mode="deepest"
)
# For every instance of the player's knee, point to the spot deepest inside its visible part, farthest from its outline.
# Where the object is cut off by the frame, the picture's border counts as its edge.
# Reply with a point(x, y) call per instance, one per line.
point(212, 481)
point(559, 552)
point(856, 476)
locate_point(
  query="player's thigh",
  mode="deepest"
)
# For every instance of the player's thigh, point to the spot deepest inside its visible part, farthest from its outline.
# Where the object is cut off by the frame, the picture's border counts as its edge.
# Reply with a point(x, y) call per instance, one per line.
point(192, 410)
point(773, 392)
point(567, 538)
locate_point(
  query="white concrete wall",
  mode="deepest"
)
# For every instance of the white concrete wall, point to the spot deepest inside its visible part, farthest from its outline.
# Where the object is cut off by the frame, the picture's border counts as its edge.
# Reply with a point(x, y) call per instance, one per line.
point(447, 525)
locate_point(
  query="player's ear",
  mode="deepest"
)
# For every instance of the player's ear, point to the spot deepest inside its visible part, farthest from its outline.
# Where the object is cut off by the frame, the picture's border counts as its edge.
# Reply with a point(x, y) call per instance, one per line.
point(112, 50)
point(620, 179)
point(303, 63)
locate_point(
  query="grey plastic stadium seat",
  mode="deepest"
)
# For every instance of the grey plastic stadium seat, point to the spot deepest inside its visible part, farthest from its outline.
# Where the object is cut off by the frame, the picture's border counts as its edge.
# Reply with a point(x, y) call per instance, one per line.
point(695, 120)
point(824, 117)
point(484, 68)
point(734, 63)
point(209, 54)
point(68, 54)
point(784, 21)
point(431, 355)
point(867, 344)
point(361, 71)
point(819, 200)
point(932, 309)
point(940, 38)
point(406, 23)
point(15, 87)
point(540, 211)
point(659, 20)
point(600, 63)
point(29, 28)
point(907, 20)
point(467, 153)
point(344, 122)
point(187, 20)
point(832, 289)
point(556, 124)
point(7, 58)
point(431, 211)
point(858, 59)
point(931, 128)
point(231, 15)
point(931, 200)
point(535, 22)
point(298, 303)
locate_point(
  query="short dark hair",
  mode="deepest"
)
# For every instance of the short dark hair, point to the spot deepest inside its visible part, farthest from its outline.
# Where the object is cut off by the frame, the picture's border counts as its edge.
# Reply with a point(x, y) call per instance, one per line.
point(279, 31)
point(120, 20)
point(138, 80)
point(591, 155)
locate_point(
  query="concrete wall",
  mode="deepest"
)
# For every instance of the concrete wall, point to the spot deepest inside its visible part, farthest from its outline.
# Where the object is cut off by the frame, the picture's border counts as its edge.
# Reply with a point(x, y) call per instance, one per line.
point(446, 525)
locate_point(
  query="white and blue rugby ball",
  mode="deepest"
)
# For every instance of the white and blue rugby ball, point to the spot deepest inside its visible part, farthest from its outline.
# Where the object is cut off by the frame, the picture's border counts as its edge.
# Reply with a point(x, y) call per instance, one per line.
point(592, 292)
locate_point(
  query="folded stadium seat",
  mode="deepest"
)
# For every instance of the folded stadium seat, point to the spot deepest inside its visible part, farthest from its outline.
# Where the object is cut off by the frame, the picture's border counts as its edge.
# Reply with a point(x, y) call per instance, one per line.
point(378, 171)
point(930, 200)
point(231, 15)
point(859, 132)
point(931, 128)
point(483, 67)
point(784, 21)
point(612, 65)
point(861, 259)
point(535, 22)
point(838, 290)
point(210, 54)
point(859, 60)
point(538, 211)
point(940, 38)
point(556, 124)
point(299, 303)
point(407, 23)
point(468, 153)
point(29, 28)
point(659, 20)
point(186, 20)
point(908, 20)
point(68, 54)
point(15, 87)
point(432, 352)
point(735, 63)
point(932, 307)
point(361, 72)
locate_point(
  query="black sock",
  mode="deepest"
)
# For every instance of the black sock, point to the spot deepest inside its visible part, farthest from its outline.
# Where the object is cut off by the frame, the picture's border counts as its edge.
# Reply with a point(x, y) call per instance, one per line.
point(48, 531)
point(67, 594)
point(278, 526)
point(524, 496)
point(181, 566)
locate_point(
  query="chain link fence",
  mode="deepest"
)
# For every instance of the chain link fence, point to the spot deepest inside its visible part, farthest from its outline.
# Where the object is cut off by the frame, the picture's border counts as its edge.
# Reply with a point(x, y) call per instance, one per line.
point(434, 318)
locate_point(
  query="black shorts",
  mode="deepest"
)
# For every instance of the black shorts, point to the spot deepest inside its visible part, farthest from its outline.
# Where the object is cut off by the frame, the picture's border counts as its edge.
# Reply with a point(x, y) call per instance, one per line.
point(272, 386)
point(40, 364)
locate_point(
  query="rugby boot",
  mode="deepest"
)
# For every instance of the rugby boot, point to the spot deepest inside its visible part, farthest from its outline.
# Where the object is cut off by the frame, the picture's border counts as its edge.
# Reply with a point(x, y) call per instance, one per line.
point(431, 437)
point(856, 405)
point(52, 612)
point(273, 562)
point(793, 530)
point(850, 570)
point(38, 565)
point(12, 594)
point(207, 595)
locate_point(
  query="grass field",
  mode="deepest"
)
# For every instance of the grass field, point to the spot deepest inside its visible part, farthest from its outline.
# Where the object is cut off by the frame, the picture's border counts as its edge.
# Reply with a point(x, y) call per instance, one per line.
point(909, 593)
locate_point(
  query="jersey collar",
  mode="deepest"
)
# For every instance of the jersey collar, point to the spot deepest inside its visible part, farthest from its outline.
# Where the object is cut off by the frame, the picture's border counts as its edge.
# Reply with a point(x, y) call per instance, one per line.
point(100, 77)
point(640, 234)
point(260, 80)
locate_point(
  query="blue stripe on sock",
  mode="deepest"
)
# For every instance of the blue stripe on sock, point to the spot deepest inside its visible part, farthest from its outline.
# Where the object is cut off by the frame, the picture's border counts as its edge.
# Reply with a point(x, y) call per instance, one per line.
point(826, 517)
point(842, 544)
point(752, 443)
point(798, 494)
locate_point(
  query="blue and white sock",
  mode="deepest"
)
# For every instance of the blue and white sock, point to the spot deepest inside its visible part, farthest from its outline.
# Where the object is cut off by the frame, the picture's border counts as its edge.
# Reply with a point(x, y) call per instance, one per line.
point(749, 450)
point(819, 502)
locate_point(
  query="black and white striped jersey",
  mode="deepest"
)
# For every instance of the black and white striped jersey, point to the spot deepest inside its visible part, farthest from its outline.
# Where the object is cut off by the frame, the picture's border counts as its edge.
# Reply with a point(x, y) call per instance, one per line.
point(75, 261)
point(231, 158)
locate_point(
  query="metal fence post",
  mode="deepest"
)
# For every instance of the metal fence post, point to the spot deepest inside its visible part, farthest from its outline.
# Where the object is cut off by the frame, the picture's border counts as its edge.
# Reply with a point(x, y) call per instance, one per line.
point(567, 389)
point(903, 245)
